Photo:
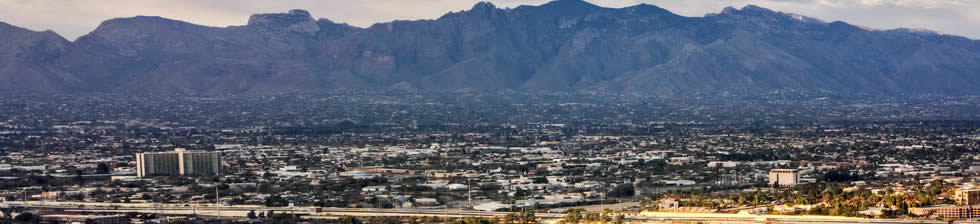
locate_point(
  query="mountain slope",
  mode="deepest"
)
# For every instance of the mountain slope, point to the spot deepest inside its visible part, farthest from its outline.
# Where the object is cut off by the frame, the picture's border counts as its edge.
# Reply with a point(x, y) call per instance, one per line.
point(561, 46)
point(29, 61)
point(152, 54)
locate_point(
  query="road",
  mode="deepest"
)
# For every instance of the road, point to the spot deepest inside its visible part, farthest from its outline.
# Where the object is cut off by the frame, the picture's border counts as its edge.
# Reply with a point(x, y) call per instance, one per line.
point(745, 218)
point(242, 211)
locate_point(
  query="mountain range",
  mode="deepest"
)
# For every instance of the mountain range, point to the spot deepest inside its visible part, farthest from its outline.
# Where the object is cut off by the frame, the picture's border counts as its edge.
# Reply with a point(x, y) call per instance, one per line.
point(562, 46)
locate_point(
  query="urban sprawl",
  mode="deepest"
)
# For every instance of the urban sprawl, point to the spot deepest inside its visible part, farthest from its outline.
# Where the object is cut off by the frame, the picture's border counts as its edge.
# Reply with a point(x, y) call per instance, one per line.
point(403, 160)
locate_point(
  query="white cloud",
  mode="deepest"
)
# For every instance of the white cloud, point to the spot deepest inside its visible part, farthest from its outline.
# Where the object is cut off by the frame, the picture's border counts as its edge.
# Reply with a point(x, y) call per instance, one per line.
point(73, 18)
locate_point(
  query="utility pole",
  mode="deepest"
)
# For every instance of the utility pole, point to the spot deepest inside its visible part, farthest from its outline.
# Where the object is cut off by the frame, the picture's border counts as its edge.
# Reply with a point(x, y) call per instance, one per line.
point(738, 181)
point(217, 203)
point(469, 192)
point(469, 197)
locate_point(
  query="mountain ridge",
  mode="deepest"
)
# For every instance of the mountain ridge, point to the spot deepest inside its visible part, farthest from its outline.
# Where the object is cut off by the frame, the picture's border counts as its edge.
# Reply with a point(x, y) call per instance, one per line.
point(561, 46)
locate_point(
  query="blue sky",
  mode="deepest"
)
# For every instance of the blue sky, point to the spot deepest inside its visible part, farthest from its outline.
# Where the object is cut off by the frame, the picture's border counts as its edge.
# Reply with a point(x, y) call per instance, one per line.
point(73, 18)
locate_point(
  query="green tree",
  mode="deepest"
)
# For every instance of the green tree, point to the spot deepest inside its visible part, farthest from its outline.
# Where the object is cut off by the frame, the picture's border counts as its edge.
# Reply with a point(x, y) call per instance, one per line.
point(619, 219)
point(510, 218)
point(103, 168)
point(276, 201)
point(573, 216)
point(26, 217)
point(472, 220)
point(528, 217)
point(606, 215)
point(349, 220)
point(623, 191)
point(592, 217)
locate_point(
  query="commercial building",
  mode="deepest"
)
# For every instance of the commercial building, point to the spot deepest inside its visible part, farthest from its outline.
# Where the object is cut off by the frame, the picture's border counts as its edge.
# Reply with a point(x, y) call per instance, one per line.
point(784, 177)
point(948, 212)
point(928, 210)
point(179, 162)
point(957, 213)
point(967, 197)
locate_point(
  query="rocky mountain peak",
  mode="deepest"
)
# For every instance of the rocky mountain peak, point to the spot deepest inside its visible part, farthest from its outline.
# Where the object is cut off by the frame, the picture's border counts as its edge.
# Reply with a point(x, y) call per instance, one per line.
point(137, 22)
point(570, 4)
point(755, 8)
point(296, 21)
point(759, 14)
point(648, 10)
point(483, 6)
point(748, 10)
point(23, 42)
point(300, 12)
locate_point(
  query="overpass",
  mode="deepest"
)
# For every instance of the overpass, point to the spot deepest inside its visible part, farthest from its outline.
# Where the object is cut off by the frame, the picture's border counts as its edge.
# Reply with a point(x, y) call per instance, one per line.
point(238, 211)
point(242, 210)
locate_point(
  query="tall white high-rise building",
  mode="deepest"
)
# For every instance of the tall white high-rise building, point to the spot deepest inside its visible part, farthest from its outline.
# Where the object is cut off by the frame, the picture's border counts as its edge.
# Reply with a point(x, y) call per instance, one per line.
point(179, 162)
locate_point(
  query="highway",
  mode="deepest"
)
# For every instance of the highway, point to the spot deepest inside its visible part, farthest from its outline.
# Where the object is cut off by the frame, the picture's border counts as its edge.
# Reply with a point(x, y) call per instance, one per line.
point(242, 211)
